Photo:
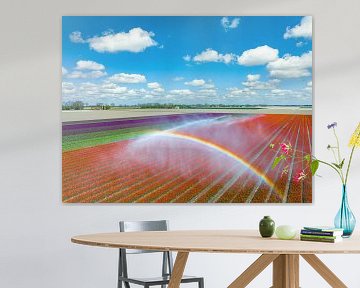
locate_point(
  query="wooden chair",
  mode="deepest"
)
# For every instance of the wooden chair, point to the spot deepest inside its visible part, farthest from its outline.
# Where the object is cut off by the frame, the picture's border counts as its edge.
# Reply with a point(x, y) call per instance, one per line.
point(167, 263)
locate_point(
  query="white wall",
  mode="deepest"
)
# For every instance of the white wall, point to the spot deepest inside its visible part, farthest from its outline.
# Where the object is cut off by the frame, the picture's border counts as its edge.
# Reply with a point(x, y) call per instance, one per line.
point(35, 227)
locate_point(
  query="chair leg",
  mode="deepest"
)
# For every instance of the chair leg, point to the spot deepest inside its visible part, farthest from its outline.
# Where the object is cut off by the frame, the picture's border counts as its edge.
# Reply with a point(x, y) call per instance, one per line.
point(201, 283)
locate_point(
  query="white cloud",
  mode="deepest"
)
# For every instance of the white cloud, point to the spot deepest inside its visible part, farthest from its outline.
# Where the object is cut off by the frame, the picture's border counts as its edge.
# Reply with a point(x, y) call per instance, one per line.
point(227, 24)
point(64, 71)
point(153, 85)
point(181, 92)
point(178, 78)
point(258, 56)
point(291, 66)
point(210, 55)
point(253, 77)
point(300, 44)
point(195, 82)
point(281, 92)
point(241, 92)
point(158, 90)
point(208, 92)
point(127, 78)
point(259, 85)
point(76, 37)
point(136, 40)
point(88, 65)
point(304, 29)
point(187, 58)
point(208, 86)
point(68, 88)
point(308, 87)
point(84, 75)
point(112, 88)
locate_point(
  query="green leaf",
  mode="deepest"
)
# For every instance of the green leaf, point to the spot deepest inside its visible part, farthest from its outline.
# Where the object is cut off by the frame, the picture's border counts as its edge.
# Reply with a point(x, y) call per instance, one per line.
point(314, 166)
point(342, 163)
point(336, 165)
point(307, 158)
point(277, 161)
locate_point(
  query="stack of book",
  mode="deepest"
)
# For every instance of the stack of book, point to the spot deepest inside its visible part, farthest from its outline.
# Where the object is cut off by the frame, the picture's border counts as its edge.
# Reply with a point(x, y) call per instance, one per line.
point(321, 234)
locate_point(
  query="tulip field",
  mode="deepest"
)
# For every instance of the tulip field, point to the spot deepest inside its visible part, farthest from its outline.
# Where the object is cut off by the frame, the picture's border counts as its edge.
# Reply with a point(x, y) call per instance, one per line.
point(187, 158)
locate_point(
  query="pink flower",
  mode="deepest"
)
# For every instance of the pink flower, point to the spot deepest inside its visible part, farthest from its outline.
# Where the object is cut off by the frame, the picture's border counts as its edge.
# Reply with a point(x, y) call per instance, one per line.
point(300, 176)
point(285, 148)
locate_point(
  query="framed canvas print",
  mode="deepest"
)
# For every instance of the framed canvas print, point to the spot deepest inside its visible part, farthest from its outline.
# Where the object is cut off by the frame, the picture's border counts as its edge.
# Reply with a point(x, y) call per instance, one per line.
point(205, 109)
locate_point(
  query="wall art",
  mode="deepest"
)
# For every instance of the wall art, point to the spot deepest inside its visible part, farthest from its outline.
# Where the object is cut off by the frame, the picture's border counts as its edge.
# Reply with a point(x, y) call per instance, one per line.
point(165, 109)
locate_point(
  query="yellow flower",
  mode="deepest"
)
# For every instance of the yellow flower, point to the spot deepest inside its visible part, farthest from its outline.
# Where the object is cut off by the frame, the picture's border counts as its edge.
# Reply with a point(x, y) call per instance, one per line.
point(355, 138)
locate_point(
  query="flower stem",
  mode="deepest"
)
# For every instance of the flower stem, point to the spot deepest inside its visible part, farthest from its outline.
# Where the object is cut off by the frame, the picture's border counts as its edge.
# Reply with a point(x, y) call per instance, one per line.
point(340, 159)
point(332, 166)
point(348, 167)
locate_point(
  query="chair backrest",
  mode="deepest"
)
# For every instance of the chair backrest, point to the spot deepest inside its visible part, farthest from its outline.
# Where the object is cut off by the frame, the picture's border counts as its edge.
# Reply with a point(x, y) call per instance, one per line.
point(138, 226)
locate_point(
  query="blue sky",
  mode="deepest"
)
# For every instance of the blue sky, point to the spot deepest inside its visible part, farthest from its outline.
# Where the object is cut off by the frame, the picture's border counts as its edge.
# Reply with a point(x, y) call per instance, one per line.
point(187, 60)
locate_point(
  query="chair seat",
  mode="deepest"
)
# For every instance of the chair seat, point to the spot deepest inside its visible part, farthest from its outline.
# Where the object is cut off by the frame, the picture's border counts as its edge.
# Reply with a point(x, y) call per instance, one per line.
point(158, 280)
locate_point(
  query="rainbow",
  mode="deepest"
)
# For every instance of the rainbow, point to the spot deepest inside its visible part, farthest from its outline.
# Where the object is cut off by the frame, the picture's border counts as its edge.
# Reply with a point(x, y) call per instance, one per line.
point(222, 150)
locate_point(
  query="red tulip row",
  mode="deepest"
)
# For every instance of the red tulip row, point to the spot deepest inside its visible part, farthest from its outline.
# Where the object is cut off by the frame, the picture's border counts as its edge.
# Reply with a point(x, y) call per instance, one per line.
point(189, 172)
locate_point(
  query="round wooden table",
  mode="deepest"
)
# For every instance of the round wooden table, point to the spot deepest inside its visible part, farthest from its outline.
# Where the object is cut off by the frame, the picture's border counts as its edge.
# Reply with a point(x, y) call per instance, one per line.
point(284, 254)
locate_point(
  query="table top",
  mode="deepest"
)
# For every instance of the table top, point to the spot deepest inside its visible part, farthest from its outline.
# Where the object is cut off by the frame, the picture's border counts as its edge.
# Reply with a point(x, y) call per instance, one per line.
point(216, 241)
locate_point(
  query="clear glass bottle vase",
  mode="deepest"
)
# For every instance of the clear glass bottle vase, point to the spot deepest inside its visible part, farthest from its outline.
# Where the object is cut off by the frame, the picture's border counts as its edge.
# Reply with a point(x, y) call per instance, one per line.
point(345, 219)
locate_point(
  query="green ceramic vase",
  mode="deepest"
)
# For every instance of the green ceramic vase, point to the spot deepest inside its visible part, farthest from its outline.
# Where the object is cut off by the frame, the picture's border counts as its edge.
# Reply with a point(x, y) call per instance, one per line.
point(267, 227)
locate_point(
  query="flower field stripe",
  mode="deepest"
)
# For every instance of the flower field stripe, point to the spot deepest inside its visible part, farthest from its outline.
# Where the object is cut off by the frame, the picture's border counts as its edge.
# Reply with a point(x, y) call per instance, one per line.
point(203, 195)
point(133, 176)
point(172, 185)
point(78, 141)
point(265, 145)
point(278, 173)
point(178, 199)
point(178, 188)
point(128, 176)
point(268, 163)
point(221, 150)
point(283, 180)
point(142, 197)
point(202, 183)
point(189, 171)
point(286, 180)
point(189, 185)
point(236, 176)
point(83, 163)
point(307, 196)
point(291, 170)
point(119, 193)
point(78, 127)
point(100, 194)
point(246, 183)
point(185, 186)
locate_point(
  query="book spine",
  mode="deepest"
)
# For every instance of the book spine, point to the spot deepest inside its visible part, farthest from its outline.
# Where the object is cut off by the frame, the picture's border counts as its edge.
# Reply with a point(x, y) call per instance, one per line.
point(319, 236)
point(319, 233)
point(317, 239)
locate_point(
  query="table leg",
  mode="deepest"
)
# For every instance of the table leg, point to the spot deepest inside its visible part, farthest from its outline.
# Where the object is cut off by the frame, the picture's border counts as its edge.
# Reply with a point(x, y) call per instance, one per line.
point(178, 269)
point(286, 271)
point(324, 271)
point(253, 270)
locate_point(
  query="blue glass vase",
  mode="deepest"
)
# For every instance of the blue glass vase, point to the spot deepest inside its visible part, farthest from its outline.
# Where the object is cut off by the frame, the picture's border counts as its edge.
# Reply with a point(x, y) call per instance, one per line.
point(345, 219)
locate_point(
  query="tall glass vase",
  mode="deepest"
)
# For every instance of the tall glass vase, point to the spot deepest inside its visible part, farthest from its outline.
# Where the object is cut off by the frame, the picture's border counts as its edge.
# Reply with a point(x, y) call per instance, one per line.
point(345, 219)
